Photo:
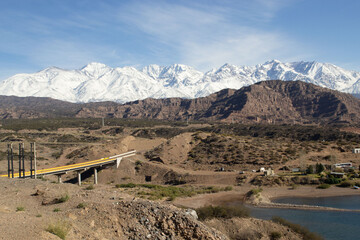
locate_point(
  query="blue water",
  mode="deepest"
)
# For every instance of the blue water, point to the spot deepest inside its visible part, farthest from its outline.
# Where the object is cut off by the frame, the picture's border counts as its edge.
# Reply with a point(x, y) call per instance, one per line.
point(329, 224)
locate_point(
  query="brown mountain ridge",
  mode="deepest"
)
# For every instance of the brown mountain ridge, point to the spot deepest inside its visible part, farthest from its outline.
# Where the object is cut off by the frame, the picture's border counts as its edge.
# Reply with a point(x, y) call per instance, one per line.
point(273, 101)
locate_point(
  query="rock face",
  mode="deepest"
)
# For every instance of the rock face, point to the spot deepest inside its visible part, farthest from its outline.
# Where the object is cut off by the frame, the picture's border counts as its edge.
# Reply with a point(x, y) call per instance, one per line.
point(272, 101)
point(267, 102)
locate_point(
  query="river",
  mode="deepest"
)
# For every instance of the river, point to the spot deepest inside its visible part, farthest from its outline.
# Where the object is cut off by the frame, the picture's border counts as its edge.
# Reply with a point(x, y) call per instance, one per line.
point(329, 224)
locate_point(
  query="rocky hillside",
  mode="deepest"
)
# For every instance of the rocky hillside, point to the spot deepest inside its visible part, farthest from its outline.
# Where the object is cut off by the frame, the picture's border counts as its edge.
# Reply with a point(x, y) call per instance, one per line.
point(272, 101)
point(267, 102)
point(105, 212)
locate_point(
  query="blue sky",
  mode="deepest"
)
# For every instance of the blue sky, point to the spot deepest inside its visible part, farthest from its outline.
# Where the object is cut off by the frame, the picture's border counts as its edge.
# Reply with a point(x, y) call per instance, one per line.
point(204, 34)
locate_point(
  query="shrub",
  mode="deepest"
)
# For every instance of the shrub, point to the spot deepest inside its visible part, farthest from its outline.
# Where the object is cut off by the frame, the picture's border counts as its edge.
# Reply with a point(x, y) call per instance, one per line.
point(210, 212)
point(310, 170)
point(127, 185)
point(332, 180)
point(20, 209)
point(324, 186)
point(275, 235)
point(60, 229)
point(254, 191)
point(56, 210)
point(90, 187)
point(345, 184)
point(228, 188)
point(63, 199)
point(307, 235)
point(38, 215)
point(81, 205)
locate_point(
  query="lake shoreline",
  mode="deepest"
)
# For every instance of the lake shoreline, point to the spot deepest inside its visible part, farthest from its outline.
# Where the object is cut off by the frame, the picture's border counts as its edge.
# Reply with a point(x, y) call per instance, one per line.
point(266, 198)
point(268, 195)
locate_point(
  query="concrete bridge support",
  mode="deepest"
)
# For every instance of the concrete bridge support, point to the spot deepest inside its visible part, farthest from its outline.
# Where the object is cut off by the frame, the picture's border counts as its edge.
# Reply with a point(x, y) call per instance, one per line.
point(79, 177)
point(95, 176)
point(59, 178)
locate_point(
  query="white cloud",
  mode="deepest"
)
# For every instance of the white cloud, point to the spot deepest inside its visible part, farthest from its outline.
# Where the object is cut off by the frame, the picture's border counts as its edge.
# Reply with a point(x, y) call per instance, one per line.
point(195, 33)
point(207, 37)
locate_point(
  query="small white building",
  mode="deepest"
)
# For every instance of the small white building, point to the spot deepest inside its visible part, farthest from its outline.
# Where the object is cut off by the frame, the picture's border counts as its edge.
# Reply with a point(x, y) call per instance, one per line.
point(343, 165)
point(269, 172)
point(356, 150)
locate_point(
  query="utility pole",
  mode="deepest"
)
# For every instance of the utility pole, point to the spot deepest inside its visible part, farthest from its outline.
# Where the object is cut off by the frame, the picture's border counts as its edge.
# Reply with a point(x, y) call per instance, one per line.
point(20, 160)
point(23, 159)
point(34, 150)
point(32, 161)
point(12, 160)
point(8, 157)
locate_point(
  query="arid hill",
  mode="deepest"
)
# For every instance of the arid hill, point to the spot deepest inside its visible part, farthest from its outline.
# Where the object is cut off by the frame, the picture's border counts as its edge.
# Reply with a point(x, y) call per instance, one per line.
point(272, 101)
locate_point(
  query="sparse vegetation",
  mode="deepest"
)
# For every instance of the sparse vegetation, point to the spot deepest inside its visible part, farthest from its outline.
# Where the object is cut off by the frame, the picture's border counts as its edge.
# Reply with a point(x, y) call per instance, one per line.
point(81, 205)
point(155, 192)
point(127, 185)
point(256, 191)
point(345, 184)
point(306, 234)
point(275, 235)
point(63, 199)
point(56, 210)
point(324, 186)
point(210, 212)
point(60, 229)
point(90, 187)
point(20, 208)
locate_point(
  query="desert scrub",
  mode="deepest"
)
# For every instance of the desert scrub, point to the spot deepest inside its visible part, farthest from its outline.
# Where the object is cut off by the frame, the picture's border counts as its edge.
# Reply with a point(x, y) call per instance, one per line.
point(255, 191)
point(137, 165)
point(63, 199)
point(20, 209)
point(81, 205)
point(345, 184)
point(154, 192)
point(60, 229)
point(90, 187)
point(324, 186)
point(306, 234)
point(275, 235)
point(210, 212)
point(57, 210)
point(126, 185)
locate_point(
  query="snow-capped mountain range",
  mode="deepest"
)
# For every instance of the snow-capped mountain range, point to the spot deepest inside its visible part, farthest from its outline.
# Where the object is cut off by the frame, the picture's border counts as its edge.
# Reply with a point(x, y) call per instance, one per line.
point(97, 82)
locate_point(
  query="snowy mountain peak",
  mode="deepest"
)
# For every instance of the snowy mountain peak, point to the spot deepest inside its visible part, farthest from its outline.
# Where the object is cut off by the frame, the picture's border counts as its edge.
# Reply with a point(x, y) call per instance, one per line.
point(95, 68)
point(98, 82)
point(274, 61)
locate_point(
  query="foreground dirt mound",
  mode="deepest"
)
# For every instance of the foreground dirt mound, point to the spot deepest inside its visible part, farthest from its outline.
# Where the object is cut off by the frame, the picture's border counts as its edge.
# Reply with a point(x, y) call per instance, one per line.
point(142, 219)
point(251, 228)
point(29, 208)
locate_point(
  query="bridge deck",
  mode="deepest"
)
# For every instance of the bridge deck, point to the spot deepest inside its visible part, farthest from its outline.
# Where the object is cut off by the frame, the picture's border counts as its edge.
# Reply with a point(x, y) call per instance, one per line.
point(77, 166)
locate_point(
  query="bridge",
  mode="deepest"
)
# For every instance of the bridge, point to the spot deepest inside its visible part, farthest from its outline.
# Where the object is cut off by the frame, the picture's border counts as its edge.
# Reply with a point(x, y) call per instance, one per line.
point(78, 167)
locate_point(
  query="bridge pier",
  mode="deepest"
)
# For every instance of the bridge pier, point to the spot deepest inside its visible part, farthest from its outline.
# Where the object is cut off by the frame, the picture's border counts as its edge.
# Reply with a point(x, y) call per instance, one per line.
point(79, 177)
point(95, 176)
point(59, 178)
